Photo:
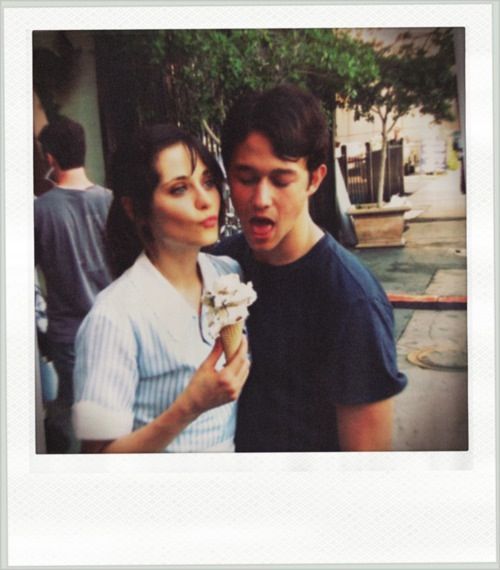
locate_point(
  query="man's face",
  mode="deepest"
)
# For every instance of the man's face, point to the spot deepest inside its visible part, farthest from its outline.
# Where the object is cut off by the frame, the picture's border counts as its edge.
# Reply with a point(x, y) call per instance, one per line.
point(271, 198)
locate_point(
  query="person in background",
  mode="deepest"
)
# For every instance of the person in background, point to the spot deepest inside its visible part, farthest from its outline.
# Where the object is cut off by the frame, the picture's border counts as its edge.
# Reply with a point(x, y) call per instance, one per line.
point(321, 331)
point(70, 221)
point(147, 374)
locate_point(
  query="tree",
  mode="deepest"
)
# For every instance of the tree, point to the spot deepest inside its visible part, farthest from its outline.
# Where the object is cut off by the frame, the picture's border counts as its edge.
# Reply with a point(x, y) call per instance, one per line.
point(416, 71)
point(204, 71)
point(192, 77)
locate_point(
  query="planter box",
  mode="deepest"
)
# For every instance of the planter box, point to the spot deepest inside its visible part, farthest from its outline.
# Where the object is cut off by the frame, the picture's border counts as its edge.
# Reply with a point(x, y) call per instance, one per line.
point(378, 227)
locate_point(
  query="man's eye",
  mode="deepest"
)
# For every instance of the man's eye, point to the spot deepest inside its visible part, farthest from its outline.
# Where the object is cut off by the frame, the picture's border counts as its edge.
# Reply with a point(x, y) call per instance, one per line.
point(280, 183)
point(248, 180)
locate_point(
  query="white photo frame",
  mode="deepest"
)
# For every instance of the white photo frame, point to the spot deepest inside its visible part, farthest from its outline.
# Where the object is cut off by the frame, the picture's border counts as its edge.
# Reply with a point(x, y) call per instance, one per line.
point(259, 509)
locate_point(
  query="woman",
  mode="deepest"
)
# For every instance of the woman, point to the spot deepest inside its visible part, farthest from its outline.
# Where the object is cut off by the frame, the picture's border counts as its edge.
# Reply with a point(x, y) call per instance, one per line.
point(146, 373)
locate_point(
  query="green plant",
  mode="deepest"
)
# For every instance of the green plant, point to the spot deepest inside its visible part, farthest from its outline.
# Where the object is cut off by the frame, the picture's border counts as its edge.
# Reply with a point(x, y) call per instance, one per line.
point(202, 72)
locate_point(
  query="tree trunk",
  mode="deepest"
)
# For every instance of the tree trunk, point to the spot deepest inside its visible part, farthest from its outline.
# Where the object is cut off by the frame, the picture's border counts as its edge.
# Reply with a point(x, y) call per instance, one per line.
point(383, 153)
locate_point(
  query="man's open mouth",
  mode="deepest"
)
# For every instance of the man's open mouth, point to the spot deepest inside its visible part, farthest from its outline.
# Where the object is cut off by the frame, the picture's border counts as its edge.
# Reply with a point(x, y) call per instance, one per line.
point(261, 226)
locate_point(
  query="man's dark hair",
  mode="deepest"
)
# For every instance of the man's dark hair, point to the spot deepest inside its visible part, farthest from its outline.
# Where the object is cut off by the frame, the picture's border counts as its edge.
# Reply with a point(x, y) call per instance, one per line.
point(64, 139)
point(290, 117)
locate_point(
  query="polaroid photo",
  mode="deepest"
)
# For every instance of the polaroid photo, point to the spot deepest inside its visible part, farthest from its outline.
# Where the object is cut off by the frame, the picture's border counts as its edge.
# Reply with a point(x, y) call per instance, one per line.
point(372, 440)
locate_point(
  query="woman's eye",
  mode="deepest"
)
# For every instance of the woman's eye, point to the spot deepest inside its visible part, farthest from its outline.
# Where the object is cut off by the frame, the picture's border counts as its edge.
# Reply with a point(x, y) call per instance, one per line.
point(178, 190)
point(209, 183)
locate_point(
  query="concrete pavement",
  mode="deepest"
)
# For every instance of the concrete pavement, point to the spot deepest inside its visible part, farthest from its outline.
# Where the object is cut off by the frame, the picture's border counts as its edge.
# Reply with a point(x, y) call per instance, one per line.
point(431, 413)
point(438, 196)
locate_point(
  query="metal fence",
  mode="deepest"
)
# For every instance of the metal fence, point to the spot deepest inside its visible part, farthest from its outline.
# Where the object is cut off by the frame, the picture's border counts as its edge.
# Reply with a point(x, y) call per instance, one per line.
point(211, 140)
point(362, 172)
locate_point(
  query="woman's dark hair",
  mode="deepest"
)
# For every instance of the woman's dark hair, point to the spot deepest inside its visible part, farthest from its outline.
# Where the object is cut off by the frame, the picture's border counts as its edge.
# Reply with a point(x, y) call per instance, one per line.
point(64, 139)
point(134, 176)
point(290, 117)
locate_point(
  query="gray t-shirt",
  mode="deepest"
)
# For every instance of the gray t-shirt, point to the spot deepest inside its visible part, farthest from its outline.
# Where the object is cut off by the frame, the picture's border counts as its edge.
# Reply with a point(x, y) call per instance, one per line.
point(69, 249)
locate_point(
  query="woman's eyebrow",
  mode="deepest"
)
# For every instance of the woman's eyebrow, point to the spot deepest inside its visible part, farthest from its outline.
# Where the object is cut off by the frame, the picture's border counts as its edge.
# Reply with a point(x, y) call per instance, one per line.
point(181, 177)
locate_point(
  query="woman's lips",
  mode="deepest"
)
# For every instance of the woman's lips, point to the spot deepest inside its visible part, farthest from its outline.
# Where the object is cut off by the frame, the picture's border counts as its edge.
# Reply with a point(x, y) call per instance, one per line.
point(210, 222)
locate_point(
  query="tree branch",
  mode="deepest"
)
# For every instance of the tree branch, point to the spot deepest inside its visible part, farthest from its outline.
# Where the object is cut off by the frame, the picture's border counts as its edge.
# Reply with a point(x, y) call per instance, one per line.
point(397, 117)
point(210, 132)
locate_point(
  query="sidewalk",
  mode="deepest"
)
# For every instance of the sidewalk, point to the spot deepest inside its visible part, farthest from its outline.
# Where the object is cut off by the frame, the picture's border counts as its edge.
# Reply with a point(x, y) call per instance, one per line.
point(431, 413)
point(437, 195)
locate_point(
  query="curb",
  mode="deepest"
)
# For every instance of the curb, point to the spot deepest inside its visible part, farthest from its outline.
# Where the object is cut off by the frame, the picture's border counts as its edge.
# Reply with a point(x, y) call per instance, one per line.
point(429, 302)
point(423, 219)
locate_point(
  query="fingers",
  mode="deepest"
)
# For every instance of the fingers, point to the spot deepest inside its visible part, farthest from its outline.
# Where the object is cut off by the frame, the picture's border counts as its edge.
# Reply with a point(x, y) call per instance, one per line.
point(239, 365)
point(233, 381)
point(215, 354)
point(217, 388)
point(241, 361)
point(243, 346)
point(243, 371)
point(240, 354)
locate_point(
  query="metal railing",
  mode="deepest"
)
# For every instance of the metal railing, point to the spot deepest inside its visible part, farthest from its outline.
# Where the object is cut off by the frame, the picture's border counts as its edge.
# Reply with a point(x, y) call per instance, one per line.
point(362, 171)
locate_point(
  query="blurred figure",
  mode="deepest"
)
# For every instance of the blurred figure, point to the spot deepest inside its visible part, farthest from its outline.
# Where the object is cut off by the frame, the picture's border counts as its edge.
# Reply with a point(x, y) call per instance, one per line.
point(70, 222)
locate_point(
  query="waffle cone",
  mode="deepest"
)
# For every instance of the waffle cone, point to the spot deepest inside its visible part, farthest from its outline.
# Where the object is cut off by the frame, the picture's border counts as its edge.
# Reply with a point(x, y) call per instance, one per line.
point(231, 339)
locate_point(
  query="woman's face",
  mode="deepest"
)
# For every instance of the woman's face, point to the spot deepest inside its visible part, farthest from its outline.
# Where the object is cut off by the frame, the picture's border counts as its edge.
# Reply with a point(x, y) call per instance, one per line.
point(186, 203)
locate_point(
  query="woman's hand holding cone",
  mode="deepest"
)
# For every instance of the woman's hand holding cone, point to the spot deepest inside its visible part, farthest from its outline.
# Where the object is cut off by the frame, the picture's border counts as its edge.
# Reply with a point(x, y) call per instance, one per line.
point(210, 388)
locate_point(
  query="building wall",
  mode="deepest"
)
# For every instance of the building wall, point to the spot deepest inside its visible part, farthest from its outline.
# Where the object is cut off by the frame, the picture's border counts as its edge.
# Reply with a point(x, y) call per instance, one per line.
point(417, 131)
point(81, 103)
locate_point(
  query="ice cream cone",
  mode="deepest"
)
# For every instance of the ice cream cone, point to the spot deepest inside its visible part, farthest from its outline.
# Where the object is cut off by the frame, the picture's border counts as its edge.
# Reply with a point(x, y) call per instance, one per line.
point(227, 303)
point(231, 338)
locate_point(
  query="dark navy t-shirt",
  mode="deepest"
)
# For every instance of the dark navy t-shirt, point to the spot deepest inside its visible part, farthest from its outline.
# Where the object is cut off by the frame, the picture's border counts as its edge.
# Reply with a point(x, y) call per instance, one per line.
point(321, 333)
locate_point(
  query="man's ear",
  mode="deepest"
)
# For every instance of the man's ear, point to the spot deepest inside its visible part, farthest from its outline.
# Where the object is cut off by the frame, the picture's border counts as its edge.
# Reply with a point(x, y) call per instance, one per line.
point(317, 177)
point(128, 207)
point(51, 161)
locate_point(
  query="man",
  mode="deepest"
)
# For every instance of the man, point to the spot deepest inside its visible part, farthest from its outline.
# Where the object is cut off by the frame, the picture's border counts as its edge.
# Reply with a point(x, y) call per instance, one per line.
point(321, 331)
point(70, 221)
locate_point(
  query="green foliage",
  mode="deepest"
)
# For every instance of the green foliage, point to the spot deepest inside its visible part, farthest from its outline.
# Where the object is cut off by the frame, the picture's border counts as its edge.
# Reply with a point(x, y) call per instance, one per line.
point(414, 72)
point(192, 77)
point(202, 72)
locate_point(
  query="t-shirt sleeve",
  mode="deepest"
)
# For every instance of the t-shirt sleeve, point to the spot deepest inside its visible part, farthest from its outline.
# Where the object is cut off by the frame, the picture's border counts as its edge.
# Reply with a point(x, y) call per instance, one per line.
point(105, 376)
point(365, 361)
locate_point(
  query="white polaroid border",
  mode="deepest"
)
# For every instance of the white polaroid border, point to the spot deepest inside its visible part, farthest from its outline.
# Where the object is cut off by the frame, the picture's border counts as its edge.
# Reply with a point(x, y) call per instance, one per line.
point(228, 509)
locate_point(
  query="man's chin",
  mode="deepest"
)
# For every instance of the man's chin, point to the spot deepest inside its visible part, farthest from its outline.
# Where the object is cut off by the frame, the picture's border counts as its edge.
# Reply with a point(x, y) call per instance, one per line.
point(260, 244)
point(262, 251)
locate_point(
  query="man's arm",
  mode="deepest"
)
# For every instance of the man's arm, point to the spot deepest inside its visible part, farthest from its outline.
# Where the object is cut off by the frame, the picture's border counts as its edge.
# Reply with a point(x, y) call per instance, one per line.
point(365, 427)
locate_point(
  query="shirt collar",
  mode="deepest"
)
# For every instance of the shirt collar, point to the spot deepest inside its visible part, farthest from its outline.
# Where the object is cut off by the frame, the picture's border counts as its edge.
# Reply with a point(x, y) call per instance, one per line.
point(165, 301)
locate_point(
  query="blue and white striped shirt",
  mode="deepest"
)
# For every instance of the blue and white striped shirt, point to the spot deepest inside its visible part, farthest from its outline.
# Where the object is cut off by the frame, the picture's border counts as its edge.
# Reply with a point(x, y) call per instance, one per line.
point(137, 350)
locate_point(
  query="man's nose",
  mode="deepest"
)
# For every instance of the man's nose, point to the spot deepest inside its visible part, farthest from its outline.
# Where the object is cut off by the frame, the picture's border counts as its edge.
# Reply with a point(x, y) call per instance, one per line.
point(262, 195)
